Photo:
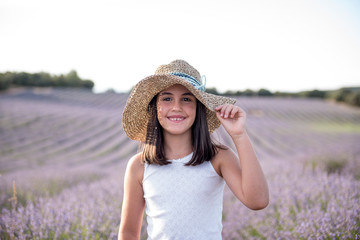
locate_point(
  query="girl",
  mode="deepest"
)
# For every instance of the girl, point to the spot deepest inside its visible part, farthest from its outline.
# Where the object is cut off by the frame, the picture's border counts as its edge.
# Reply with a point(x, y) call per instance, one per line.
point(179, 176)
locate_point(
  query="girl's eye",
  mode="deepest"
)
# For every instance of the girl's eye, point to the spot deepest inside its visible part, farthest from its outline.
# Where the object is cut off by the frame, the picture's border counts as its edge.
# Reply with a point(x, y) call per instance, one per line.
point(166, 99)
point(187, 99)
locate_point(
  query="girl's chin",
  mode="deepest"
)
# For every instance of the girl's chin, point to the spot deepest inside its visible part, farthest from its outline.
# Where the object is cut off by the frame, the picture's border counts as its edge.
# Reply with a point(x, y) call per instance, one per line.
point(177, 132)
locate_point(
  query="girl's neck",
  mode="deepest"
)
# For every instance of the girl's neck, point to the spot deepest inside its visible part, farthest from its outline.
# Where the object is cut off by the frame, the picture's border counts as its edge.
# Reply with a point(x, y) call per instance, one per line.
point(177, 146)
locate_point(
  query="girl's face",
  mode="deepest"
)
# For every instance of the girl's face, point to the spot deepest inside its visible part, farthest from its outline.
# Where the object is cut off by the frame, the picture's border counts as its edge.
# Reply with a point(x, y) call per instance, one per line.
point(176, 110)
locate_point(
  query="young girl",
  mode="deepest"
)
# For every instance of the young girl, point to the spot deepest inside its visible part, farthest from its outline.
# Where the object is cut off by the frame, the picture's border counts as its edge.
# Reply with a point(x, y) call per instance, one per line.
point(179, 176)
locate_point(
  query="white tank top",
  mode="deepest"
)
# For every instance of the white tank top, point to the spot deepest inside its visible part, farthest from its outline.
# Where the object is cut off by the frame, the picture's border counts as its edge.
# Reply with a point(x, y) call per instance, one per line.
point(183, 202)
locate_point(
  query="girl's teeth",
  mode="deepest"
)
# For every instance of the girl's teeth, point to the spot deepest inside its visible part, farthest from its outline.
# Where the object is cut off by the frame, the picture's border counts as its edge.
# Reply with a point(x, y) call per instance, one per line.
point(176, 119)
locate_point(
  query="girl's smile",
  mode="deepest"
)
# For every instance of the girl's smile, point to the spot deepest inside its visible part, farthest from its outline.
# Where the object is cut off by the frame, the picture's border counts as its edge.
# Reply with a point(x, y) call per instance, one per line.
point(176, 118)
point(176, 109)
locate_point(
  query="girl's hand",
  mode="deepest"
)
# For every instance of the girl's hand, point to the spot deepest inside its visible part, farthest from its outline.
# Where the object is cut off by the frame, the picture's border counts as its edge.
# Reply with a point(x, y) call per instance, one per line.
point(232, 118)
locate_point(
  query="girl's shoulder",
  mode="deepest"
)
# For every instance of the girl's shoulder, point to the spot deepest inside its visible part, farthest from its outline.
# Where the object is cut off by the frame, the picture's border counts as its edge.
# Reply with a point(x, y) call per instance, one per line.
point(135, 166)
point(136, 160)
point(223, 152)
point(222, 156)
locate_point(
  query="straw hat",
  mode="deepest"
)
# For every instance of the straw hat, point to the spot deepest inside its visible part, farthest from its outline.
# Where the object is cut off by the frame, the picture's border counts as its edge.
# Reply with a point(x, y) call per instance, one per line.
point(135, 116)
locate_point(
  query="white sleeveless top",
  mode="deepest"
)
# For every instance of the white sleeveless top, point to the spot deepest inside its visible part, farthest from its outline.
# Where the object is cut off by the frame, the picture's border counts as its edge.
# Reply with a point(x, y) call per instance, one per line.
point(183, 202)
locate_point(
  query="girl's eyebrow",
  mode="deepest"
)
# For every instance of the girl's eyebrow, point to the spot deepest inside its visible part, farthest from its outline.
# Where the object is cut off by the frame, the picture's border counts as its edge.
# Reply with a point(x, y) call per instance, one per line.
point(169, 93)
point(165, 93)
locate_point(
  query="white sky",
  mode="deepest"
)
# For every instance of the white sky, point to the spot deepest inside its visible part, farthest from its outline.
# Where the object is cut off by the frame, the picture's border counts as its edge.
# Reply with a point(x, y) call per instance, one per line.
point(278, 45)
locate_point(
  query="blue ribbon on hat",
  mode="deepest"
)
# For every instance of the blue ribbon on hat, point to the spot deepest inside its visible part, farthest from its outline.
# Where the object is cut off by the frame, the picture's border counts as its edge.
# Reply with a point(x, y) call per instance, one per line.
point(192, 80)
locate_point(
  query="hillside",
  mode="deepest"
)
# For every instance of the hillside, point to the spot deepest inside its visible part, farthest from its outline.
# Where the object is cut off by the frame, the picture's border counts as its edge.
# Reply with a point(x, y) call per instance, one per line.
point(66, 151)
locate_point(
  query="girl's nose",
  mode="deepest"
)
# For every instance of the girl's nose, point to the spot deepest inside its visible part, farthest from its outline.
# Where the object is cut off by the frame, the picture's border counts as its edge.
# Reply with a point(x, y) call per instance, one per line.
point(176, 106)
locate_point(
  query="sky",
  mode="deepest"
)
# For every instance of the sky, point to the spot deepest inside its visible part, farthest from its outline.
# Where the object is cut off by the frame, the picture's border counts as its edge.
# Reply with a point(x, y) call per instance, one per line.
point(278, 45)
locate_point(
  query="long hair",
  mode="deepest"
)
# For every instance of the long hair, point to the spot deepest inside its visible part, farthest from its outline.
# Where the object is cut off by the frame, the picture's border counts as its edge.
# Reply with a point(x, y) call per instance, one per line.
point(204, 149)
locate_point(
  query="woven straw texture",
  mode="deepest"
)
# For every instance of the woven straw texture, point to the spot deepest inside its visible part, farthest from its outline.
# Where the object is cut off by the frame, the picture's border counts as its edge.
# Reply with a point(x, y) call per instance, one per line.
point(135, 116)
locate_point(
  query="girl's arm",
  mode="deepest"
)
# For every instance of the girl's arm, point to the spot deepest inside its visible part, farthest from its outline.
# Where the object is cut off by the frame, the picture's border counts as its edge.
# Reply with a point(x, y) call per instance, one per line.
point(244, 177)
point(133, 201)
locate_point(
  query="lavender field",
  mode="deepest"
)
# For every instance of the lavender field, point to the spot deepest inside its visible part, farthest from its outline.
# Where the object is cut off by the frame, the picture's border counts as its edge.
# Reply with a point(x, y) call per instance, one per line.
point(63, 154)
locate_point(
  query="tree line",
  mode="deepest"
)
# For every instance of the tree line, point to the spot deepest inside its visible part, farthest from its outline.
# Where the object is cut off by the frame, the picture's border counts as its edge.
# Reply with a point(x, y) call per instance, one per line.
point(350, 95)
point(43, 79)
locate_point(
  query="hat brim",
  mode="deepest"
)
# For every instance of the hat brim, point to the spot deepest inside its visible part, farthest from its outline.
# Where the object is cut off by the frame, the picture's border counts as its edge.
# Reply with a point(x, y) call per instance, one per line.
point(135, 116)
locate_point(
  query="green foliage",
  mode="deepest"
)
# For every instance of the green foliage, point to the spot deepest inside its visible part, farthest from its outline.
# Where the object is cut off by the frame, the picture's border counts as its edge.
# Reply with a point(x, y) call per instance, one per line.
point(249, 92)
point(339, 164)
point(43, 79)
point(315, 94)
point(233, 93)
point(264, 92)
point(341, 94)
point(285, 94)
point(110, 90)
point(353, 98)
point(335, 165)
point(4, 81)
point(328, 127)
point(87, 84)
point(255, 233)
point(349, 95)
point(212, 91)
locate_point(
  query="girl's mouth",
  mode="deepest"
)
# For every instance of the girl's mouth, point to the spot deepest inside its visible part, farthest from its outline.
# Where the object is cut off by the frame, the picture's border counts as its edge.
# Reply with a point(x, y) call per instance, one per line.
point(176, 119)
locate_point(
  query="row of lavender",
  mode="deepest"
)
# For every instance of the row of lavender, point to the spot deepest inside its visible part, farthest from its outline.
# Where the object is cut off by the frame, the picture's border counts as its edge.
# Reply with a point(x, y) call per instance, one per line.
point(66, 152)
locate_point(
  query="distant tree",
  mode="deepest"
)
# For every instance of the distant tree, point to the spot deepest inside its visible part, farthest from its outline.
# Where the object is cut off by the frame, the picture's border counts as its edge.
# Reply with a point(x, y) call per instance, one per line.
point(72, 79)
point(72, 76)
point(248, 92)
point(43, 79)
point(60, 81)
point(342, 94)
point(110, 90)
point(233, 93)
point(264, 92)
point(4, 81)
point(212, 90)
point(229, 93)
point(21, 79)
point(354, 98)
point(284, 94)
point(315, 94)
point(238, 93)
point(88, 84)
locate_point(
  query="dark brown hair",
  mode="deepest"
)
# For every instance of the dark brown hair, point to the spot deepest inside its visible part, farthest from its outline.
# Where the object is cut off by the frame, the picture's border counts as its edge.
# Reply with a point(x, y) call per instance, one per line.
point(204, 148)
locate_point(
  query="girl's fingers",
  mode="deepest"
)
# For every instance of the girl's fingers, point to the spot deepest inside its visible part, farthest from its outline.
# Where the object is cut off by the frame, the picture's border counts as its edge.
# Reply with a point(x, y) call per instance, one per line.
point(218, 108)
point(225, 110)
point(235, 113)
point(230, 111)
